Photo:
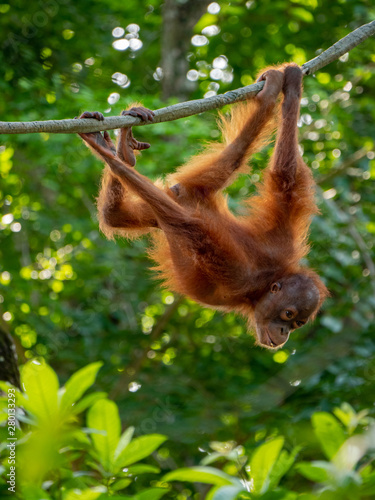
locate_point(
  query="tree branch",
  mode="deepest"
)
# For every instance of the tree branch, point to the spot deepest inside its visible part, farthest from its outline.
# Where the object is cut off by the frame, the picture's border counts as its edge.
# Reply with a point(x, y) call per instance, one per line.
point(184, 109)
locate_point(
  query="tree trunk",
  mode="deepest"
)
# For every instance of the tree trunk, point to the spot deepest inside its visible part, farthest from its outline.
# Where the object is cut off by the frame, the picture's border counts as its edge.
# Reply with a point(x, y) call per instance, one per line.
point(179, 19)
point(8, 359)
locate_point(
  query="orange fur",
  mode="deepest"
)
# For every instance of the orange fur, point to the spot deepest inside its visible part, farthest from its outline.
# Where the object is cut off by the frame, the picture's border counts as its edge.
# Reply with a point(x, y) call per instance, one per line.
point(199, 247)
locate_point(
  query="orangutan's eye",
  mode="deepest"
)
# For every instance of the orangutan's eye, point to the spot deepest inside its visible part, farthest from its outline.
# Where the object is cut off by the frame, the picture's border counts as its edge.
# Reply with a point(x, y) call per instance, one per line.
point(288, 314)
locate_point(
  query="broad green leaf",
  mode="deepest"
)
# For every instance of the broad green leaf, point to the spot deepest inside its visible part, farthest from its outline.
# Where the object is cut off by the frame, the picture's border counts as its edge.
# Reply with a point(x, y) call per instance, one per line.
point(139, 448)
point(329, 433)
point(208, 475)
point(40, 385)
point(120, 484)
point(124, 441)
point(212, 457)
point(227, 492)
point(88, 494)
point(142, 469)
point(78, 384)
point(33, 492)
point(212, 491)
point(5, 386)
point(312, 472)
point(104, 416)
point(262, 462)
point(151, 494)
point(87, 401)
point(21, 399)
point(281, 467)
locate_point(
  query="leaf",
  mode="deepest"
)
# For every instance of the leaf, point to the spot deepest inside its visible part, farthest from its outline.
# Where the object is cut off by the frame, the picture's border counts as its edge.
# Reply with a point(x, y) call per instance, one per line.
point(124, 441)
point(312, 472)
point(41, 386)
point(207, 475)
point(5, 386)
point(139, 448)
point(88, 494)
point(226, 493)
point(282, 465)
point(344, 413)
point(104, 416)
point(135, 470)
point(212, 457)
point(120, 484)
point(87, 401)
point(349, 417)
point(151, 494)
point(80, 437)
point(368, 486)
point(33, 492)
point(309, 3)
point(212, 492)
point(329, 433)
point(78, 384)
point(302, 14)
point(204, 21)
point(262, 462)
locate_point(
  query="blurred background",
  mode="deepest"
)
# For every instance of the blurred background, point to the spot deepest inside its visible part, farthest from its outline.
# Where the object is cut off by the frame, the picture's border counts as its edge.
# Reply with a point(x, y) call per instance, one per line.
point(70, 297)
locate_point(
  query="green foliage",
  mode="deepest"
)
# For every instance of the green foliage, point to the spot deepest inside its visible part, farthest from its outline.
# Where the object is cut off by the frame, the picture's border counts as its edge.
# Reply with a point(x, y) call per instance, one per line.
point(201, 475)
point(329, 432)
point(61, 457)
point(262, 462)
point(52, 440)
point(261, 474)
point(174, 368)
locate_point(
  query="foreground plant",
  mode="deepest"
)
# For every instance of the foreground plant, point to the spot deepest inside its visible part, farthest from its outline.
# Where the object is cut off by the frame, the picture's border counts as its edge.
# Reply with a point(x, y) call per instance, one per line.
point(59, 458)
point(347, 473)
point(56, 457)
